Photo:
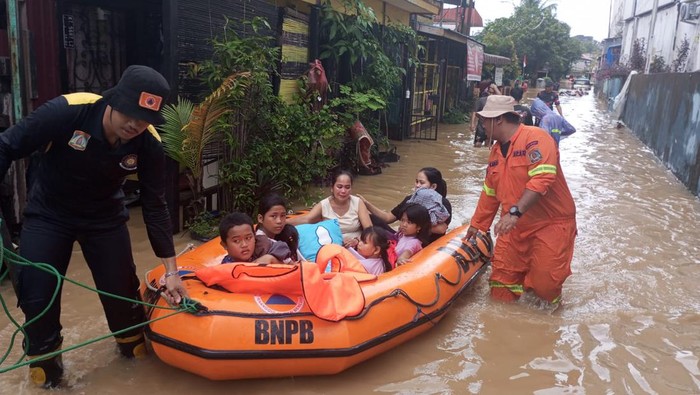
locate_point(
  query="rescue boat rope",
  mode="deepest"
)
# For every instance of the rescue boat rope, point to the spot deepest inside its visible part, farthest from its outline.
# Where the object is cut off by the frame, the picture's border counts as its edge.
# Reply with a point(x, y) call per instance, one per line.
point(11, 258)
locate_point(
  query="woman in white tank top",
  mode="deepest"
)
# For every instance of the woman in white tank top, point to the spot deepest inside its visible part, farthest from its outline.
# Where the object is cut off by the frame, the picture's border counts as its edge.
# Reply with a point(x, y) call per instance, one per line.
point(349, 210)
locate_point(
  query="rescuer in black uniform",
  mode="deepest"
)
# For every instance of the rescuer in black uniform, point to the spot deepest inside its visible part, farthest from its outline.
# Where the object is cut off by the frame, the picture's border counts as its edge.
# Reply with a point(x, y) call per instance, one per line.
point(89, 144)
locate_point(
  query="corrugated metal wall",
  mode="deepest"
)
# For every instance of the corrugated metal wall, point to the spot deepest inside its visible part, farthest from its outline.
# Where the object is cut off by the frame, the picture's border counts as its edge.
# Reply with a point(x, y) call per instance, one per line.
point(198, 22)
point(663, 110)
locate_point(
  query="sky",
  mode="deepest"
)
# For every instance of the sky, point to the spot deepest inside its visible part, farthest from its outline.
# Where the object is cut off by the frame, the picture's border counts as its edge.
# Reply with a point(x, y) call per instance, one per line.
point(585, 17)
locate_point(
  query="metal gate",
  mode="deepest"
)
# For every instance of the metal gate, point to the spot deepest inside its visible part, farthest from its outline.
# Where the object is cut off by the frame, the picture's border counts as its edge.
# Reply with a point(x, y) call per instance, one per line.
point(426, 95)
point(94, 45)
point(100, 39)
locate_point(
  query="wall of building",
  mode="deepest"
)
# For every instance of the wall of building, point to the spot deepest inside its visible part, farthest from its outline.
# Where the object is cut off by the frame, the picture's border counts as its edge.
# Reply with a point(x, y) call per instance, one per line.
point(668, 33)
point(663, 110)
point(661, 42)
point(388, 14)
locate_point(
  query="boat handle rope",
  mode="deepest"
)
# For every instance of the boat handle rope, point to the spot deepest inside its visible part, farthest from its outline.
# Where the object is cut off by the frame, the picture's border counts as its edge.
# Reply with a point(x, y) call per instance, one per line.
point(419, 306)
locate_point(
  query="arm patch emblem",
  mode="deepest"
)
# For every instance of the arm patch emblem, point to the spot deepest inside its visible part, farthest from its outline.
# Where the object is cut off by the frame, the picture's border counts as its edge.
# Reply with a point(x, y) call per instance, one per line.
point(535, 156)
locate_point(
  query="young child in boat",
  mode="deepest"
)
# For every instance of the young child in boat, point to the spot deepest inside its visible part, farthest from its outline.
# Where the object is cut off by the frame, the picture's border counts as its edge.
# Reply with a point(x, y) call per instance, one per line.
point(373, 250)
point(272, 222)
point(414, 232)
point(241, 244)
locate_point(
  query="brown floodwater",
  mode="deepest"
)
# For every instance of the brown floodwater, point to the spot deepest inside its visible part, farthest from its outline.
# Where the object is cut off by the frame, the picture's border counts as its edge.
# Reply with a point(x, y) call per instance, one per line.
point(629, 323)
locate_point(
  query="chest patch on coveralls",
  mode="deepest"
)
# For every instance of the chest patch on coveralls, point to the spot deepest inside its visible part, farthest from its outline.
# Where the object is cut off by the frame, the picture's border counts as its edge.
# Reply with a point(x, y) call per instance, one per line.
point(79, 141)
point(129, 162)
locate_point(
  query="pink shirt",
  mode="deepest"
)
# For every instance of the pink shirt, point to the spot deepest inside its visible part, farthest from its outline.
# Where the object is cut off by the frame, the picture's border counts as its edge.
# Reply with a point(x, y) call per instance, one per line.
point(372, 265)
point(408, 243)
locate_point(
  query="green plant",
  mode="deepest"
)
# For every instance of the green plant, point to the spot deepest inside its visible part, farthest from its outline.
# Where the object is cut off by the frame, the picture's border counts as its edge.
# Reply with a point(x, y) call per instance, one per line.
point(189, 129)
point(658, 65)
point(294, 149)
point(373, 54)
point(350, 105)
point(455, 116)
point(233, 53)
point(204, 226)
point(638, 55)
point(679, 62)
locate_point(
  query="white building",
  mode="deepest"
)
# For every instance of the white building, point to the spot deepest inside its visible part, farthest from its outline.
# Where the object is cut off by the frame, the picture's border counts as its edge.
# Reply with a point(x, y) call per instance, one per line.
point(583, 66)
point(662, 24)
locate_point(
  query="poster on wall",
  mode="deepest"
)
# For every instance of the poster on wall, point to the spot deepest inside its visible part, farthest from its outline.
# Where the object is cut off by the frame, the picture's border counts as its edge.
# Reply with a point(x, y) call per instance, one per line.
point(475, 61)
point(499, 76)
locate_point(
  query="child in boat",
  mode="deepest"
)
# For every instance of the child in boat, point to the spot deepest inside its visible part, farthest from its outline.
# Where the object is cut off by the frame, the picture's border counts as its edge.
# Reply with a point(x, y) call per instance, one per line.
point(373, 250)
point(241, 244)
point(272, 222)
point(431, 200)
point(414, 232)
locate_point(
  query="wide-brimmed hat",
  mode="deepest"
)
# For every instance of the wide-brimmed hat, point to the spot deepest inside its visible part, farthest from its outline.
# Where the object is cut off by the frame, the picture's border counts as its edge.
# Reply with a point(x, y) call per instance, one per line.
point(140, 94)
point(497, 105)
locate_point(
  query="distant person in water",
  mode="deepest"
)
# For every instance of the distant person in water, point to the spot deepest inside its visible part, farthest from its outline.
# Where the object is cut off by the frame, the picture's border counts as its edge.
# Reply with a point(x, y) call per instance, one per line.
point(549, 96)
point(552, 122)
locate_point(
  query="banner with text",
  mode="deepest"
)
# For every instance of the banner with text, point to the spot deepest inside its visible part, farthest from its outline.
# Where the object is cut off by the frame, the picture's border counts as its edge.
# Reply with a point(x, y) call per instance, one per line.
point(475, 60)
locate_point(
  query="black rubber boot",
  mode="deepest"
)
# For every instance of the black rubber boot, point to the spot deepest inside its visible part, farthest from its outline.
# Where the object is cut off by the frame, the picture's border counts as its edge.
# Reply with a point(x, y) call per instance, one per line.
point(47, 373)
point(132, 346)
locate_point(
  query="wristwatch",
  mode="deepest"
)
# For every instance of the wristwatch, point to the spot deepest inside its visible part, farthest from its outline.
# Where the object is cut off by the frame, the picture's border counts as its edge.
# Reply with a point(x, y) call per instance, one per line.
point(515, 211)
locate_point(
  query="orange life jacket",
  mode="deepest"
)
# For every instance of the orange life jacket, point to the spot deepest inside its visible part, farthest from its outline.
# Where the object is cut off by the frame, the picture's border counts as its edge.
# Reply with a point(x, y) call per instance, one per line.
point(330, 296)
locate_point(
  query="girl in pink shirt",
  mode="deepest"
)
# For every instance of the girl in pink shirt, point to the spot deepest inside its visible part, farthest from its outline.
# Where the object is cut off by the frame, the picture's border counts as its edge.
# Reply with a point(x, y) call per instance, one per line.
point(414, 232)
point(373, 250)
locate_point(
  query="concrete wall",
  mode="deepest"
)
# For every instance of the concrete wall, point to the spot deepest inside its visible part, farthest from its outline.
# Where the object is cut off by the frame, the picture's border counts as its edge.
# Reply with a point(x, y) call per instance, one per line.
point(663, 110)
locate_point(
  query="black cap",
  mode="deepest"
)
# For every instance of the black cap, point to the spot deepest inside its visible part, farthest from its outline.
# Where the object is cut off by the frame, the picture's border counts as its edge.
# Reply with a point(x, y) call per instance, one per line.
point(140, 94)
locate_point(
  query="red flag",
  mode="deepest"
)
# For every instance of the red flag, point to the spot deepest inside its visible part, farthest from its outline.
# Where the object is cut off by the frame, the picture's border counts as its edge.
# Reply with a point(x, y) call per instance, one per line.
point(524, 61)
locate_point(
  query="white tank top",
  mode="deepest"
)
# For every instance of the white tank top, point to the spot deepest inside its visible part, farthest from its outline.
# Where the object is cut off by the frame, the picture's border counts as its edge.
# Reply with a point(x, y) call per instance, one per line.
point(350, 224)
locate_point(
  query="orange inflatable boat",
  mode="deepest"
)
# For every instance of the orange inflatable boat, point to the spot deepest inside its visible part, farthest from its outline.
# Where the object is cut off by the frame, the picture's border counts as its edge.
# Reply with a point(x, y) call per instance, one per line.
point(283, 330)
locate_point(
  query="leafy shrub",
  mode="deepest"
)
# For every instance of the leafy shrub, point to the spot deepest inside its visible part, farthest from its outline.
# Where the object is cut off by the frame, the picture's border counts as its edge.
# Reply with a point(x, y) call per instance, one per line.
point(681, 59)
point(658, 65)
point(295, 148)
point(455, 116)
point(638, 56)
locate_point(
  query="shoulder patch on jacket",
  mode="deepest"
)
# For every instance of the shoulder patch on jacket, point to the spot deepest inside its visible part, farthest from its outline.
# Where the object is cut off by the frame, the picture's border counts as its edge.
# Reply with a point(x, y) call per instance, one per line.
point(535, 156)
point(154, 132)
point(76, 99)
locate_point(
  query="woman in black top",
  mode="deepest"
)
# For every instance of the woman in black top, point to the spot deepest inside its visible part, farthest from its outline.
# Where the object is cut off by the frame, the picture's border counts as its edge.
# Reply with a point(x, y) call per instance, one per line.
point(427, 177)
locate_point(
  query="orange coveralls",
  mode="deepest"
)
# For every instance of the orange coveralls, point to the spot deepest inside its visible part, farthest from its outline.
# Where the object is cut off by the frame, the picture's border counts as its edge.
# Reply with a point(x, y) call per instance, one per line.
point(537, 253)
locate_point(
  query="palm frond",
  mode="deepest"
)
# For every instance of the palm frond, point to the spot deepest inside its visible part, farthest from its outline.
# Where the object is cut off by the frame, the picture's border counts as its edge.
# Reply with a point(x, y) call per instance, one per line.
point(203, 126)
point(172, 131)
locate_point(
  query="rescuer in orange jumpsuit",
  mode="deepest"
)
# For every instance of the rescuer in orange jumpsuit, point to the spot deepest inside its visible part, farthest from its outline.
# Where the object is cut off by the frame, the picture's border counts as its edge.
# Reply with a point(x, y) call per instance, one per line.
point(537, 226)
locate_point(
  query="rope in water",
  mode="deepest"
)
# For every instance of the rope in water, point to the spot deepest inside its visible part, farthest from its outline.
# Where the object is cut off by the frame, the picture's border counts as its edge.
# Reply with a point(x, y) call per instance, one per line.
point(186, 305)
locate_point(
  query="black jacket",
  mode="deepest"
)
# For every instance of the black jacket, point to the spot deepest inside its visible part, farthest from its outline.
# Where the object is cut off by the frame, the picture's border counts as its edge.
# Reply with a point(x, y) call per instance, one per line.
point(78, 177)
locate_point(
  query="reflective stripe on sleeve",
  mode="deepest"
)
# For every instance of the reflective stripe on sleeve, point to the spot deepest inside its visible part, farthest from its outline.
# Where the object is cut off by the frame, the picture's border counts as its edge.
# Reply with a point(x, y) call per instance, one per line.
point(556, 131)
point(542, 169)
point(489, 191)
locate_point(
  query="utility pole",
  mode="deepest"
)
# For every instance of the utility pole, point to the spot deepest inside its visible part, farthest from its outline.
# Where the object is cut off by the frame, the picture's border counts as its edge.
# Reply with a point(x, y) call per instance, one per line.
point(462, 9)
point(470, 5)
